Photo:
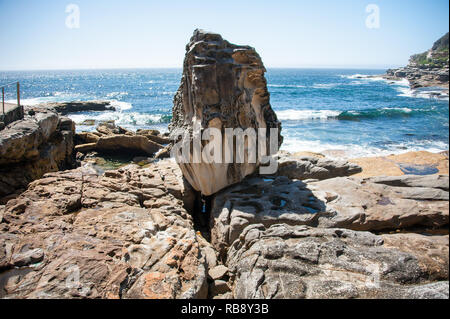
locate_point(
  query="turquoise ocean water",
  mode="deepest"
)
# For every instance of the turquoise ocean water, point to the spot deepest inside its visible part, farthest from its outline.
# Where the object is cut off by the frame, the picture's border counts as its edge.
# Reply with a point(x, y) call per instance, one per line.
point(320, 109)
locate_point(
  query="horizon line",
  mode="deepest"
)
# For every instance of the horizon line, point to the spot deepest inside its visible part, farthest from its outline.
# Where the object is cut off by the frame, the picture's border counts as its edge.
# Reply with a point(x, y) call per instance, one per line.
point(354, 67)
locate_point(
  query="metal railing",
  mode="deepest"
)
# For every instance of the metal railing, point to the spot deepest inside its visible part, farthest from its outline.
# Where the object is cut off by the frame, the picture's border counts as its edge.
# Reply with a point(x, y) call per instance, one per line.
point(17, 93)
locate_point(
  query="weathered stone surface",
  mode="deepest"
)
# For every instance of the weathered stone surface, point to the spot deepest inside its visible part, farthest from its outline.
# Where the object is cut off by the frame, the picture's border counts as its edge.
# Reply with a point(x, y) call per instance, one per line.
point(86, 148)
point(80, 106)
point(136, 144)
point(339, 202)
point(309, 167)
point(85, 137)
point(385, 203)
point(217, 272)
point(223, 86)
point(283, 261)
point(431, 251)
point(41, 142)
point(121, 235)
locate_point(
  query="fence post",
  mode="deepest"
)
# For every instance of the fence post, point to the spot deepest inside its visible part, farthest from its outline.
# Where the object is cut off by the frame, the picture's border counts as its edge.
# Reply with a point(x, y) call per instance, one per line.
point(18, 94)
point(3, 100)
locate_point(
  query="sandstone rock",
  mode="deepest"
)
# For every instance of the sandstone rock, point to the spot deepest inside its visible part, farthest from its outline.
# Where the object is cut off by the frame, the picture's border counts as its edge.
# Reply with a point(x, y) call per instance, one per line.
point(80, 106)
point(338, 202)
point(222, 86)
point(431, 251)
point(136, 144)
point(158, 139)
point(125, 234)
point(207, 250)
point(86, 148)
point(381, 203)
point(85, 137)
point(283, 261)
point(218, 272)
point(39, 143)
point(310, 167)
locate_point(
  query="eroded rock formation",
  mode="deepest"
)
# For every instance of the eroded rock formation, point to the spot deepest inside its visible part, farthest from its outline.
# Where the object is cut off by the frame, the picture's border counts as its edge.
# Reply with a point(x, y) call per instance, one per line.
point(223, 86)
point(39, 143)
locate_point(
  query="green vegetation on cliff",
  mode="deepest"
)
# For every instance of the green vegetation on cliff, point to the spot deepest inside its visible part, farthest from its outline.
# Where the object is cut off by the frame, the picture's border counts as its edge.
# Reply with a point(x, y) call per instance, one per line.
point(436, 57)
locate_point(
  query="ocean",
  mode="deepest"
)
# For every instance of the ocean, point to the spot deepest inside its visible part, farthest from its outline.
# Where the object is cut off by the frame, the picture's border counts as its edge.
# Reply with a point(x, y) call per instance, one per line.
point(320, 109)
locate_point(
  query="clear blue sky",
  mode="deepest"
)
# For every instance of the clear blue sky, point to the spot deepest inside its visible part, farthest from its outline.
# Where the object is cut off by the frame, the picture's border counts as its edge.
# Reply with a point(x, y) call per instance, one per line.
point(133, 33)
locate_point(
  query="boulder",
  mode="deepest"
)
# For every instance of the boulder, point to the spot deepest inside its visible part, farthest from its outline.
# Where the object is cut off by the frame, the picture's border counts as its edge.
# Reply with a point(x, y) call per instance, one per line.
point(310, 167)
point(125, 234)
point(39, 143)
point(85, 148)
point(222, 86)
point(85, 137)
point(137, 144)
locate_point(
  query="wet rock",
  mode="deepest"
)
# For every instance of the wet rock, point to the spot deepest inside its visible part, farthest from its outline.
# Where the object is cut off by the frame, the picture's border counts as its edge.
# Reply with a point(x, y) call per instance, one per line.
point(80, 106)
point(222, 86)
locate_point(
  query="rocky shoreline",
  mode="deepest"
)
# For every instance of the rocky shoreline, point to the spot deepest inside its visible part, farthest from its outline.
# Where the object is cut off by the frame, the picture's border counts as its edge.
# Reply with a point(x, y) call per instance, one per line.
point(426, 70)
point(76, 225)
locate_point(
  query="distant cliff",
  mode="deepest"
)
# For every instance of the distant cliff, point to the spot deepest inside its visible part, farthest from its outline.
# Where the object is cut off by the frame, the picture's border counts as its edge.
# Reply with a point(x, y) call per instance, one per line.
point(426, 69)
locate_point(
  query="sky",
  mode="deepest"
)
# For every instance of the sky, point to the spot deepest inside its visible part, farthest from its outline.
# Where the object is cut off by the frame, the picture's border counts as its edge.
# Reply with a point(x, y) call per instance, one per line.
point(38, 35)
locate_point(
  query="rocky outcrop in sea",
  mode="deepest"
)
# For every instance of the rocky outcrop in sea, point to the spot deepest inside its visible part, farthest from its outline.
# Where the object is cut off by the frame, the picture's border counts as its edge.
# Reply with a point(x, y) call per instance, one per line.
point(428, 69)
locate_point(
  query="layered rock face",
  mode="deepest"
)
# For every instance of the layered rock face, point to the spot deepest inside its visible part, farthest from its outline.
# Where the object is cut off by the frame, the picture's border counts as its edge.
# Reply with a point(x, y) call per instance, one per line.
point(39, 143)
point(125, 234)
point(223, 86)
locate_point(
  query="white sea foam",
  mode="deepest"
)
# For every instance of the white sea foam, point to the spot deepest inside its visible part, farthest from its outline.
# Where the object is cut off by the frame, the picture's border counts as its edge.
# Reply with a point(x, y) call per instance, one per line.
point(296, 115)
point(120, 118)
point(285, 86)
point(346, 151)
point(324, 85)
point(423, 94)
point(120, 105)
